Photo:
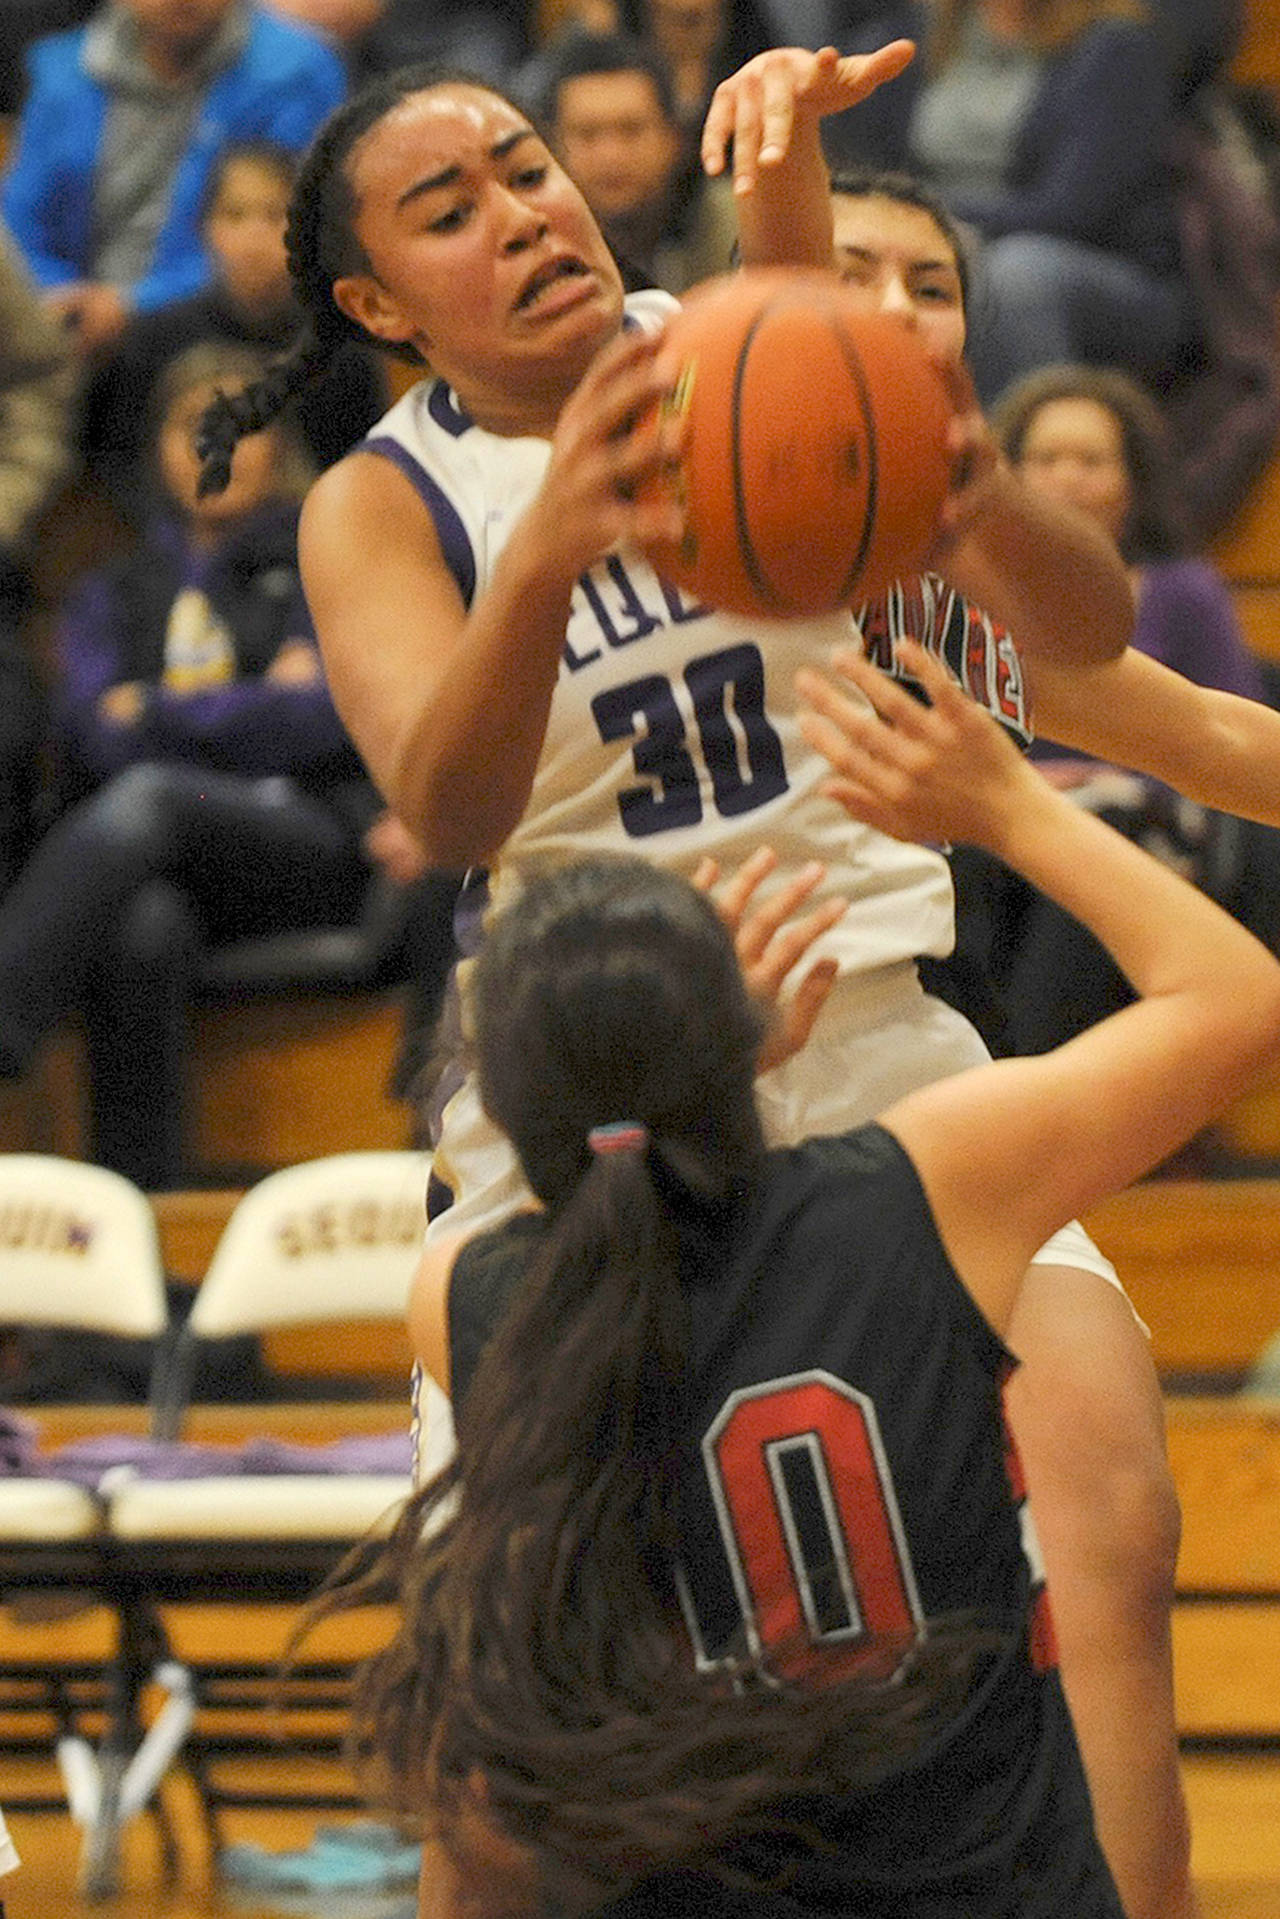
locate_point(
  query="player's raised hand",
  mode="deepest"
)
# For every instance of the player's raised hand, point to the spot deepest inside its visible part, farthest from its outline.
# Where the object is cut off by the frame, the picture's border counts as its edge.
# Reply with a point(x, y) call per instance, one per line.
point(772, 938)
point(753, 113)
point(935, 772)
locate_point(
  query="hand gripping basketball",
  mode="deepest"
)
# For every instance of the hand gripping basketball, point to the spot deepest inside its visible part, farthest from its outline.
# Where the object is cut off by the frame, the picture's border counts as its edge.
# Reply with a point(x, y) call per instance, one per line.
point(815, 462)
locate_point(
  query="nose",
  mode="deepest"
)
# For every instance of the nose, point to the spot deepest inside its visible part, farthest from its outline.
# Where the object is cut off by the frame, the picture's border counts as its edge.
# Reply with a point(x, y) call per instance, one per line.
point(520, 225)
point(895, 297)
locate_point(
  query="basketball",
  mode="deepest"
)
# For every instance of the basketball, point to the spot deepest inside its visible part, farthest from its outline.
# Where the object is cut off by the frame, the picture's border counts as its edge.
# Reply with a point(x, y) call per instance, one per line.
point(815, 464)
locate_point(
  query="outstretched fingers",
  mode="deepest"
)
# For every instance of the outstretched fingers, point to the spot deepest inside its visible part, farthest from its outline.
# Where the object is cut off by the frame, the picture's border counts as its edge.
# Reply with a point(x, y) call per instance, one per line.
point(937, 771)
point(772, 939)
point(753, 113)
point(887, 746)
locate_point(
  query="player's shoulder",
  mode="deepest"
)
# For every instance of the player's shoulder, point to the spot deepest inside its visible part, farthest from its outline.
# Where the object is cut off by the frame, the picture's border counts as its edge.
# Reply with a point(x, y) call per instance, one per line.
point(352, 502)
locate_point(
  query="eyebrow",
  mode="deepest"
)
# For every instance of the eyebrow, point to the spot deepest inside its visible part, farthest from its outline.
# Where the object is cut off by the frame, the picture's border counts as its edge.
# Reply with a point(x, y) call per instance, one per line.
point(869, 254)
point(448, 175)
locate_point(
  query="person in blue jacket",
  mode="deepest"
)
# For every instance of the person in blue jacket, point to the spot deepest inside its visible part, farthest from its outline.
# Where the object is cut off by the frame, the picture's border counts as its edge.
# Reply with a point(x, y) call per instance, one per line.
point(123, 120)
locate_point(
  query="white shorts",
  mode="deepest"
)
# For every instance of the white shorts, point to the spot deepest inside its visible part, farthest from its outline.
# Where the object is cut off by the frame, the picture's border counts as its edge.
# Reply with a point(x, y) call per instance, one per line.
point(880, 1037)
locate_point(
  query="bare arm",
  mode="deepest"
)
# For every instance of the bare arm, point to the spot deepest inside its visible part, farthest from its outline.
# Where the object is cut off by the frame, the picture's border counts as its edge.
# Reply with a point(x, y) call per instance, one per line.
point(1048, 574)
point(1045, 571)
point(772, 110)
point(428, 1317)
point(1214, 747)
point(447, 706)
point(1011, 1151)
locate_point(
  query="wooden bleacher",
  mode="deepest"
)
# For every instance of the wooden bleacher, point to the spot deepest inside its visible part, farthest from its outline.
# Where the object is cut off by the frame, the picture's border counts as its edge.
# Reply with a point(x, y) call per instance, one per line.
point(272, 1082)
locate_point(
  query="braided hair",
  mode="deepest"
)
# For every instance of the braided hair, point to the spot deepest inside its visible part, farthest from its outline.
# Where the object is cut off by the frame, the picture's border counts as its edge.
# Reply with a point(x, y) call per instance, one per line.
point(321, 246)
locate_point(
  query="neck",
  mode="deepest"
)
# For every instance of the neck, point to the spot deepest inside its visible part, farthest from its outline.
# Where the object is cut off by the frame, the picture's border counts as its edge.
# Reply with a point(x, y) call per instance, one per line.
point(533, 411)
point(169, 63)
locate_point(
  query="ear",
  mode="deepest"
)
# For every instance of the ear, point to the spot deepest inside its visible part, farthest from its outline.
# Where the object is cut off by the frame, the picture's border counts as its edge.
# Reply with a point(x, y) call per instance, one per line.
point(367, 302)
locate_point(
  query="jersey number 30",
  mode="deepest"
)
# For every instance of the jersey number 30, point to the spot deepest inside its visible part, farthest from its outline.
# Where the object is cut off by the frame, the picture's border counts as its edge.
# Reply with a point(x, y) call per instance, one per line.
point(742, 753)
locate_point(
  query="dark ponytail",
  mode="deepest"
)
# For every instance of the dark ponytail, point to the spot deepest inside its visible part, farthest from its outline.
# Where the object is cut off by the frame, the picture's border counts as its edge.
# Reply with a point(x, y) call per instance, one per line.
point(321, 246)
point(539, 1710)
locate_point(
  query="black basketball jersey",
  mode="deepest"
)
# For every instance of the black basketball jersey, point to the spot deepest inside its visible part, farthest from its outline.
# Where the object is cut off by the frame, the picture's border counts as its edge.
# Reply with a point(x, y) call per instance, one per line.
point(848, 1473)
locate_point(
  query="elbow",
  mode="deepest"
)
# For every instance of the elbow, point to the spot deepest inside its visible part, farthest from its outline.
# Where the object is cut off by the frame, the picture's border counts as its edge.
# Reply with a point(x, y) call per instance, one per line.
point(1254, 1042)
point(457, 825)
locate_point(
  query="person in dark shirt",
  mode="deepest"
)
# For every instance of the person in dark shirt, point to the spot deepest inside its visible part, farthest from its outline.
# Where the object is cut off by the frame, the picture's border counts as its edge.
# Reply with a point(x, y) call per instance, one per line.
point(610, 109)
point(250, 303)
point(201, 756)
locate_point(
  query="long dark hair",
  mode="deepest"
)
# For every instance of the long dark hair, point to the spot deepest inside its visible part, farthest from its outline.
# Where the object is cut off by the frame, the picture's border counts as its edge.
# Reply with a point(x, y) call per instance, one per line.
point(321, 245)
point(539, 1710)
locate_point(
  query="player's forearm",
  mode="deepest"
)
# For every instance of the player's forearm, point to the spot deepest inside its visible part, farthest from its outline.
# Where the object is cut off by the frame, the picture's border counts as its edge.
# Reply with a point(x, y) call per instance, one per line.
point(1049, 575)
point(1214, 747)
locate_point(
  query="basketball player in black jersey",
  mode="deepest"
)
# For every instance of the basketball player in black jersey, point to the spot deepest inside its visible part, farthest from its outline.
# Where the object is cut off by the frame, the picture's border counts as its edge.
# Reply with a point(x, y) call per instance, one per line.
point(728, 1601)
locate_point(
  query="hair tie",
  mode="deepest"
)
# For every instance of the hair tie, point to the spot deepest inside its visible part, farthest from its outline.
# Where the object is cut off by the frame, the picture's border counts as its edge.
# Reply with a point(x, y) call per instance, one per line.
point(623, 1136)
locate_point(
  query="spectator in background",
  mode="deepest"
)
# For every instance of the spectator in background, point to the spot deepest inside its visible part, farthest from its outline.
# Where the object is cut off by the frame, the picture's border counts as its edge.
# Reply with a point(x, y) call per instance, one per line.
point(195, 719)
point(250, 301)
point(611, 115)
point(122, 123)
point(1046, 126)
point(487, 37)
point(1091, 438)
point(426, 948)
point(37, 387)
point(702, 42)
point(1201, 37)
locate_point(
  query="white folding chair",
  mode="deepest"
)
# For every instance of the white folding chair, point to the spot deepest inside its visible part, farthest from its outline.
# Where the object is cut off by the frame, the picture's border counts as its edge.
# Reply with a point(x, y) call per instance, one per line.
point(333, 1240)
point(78, 1250)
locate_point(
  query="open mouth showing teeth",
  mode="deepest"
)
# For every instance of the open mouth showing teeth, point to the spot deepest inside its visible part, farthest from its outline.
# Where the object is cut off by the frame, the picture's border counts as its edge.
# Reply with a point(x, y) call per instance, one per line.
point(557, 270)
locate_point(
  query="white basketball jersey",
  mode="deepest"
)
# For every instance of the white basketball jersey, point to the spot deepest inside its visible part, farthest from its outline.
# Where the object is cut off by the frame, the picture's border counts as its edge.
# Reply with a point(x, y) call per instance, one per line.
point(673, 730)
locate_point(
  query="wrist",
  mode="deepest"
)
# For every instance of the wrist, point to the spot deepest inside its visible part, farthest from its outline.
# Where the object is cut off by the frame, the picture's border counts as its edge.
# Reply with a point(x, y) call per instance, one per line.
point(1029, 817)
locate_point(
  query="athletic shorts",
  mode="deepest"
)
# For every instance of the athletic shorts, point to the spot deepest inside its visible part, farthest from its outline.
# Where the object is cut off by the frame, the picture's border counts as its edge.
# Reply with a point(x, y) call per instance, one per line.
point(879, 1037)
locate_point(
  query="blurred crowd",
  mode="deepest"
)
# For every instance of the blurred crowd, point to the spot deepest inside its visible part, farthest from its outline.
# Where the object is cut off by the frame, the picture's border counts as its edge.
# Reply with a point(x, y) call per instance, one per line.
point(174, 781)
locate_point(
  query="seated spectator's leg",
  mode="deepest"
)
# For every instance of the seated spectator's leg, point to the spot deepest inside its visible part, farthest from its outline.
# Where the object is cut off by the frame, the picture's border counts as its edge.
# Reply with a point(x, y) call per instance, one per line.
point(428, 952)
point(252, 855)
point(22, 723)
point(22, 720)
point(1039, 300)
point(136, 1026)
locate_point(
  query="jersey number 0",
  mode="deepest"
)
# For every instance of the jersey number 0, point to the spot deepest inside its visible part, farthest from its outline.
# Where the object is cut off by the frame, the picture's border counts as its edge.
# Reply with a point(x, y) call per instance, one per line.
point(808, 1516)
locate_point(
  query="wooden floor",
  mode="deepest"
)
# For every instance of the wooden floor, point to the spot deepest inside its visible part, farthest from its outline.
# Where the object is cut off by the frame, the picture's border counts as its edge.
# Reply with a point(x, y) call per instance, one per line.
point(1235, 1809)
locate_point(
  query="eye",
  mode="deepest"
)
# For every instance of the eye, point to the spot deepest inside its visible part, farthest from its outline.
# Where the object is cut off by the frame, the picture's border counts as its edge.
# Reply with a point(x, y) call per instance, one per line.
point(449, 222)
point(530, 176)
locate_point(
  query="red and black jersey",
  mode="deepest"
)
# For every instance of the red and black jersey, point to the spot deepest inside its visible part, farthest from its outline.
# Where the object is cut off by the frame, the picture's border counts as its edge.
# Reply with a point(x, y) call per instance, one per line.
point(848, 1474)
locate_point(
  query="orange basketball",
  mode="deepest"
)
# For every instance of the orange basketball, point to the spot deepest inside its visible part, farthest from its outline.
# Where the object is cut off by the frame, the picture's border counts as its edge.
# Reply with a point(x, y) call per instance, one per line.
point(816, 463)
